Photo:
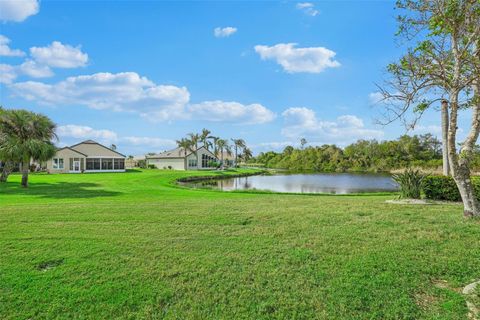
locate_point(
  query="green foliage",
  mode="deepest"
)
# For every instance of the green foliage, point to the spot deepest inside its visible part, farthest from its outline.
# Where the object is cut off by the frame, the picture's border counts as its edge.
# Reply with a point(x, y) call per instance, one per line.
point(410, 182)
point(374, 156)
point(444, 188)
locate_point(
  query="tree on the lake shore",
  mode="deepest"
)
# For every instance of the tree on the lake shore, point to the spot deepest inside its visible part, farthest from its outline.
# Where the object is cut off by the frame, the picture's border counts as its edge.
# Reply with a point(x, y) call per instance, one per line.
point(442, 65)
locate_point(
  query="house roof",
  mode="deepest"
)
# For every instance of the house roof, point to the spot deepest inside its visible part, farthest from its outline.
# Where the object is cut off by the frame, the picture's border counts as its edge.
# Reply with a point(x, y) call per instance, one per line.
point(83, 154)
point(174, 153)
point(94, 142)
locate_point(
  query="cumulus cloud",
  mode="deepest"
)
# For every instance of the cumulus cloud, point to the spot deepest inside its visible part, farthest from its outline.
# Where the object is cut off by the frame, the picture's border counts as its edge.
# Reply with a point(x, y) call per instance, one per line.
point(308, 8)
point(42, 59)
point(223, 111)
point(75, 133)
point(126, 91)
point(294, 60)
point(7, 73)
point(224, 32)
point(149, 142)
point(18, 10)
point(5, 49)
point(58, 55)
point(85, 132)
point(303, 122)
point(34, 69)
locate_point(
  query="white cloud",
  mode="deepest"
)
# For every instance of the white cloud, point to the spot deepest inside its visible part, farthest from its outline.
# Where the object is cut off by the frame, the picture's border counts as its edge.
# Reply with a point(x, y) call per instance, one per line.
point(308, 8)
point(5, 49)
point(84, 132)
point(7, 73)
point(302, 122)
point(126, 91)
point(293, 60)
point(58, 55)
point(18, 10)
point(35, 70)
point(76, 133)
point(223, 111)
point(149, 142)
point(224, 32)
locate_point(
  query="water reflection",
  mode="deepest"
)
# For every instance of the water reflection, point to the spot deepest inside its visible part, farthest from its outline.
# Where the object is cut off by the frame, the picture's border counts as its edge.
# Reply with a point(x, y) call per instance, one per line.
point(336, 183)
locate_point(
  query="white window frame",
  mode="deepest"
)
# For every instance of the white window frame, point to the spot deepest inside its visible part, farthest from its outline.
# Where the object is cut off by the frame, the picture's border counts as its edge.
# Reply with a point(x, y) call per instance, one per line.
point(57, 164)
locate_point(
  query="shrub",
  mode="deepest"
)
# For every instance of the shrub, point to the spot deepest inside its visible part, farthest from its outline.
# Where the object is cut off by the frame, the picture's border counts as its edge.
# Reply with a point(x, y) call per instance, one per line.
point(444, 188)
point(151, 166)
point(410, 182)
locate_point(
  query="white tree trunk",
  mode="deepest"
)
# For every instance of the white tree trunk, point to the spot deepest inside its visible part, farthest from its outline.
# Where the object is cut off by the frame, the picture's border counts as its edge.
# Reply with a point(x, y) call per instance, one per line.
point(460, 163)
point(446, 171)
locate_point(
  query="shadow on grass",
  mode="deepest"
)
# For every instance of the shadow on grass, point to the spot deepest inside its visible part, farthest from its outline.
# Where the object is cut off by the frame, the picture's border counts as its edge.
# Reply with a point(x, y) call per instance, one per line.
point(59, 190)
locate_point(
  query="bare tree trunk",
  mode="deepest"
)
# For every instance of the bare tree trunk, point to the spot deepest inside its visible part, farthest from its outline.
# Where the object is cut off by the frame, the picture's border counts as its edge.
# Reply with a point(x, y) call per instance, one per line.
point(25, 170)
point(460, 164)
point(7, 169)
point(446, 171)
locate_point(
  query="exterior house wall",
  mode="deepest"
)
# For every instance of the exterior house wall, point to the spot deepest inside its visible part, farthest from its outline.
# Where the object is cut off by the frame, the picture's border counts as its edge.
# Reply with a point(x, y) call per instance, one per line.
point(174, 163)
point(95, 150)
point(200, 165)
point(66, 155)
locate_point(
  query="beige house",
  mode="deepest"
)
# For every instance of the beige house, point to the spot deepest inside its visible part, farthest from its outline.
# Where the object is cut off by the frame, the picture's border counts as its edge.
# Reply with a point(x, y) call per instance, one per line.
point(178, 159)
point(86, 156)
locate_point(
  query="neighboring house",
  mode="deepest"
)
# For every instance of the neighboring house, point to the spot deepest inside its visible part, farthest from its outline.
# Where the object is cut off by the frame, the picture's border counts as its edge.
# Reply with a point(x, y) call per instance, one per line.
point(177, 159)
point(133, 162)
point(228, 159)
point(86, 156)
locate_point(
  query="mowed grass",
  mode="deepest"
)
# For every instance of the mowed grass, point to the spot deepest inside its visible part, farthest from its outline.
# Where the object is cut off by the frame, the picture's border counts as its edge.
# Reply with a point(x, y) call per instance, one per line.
point(134, 246)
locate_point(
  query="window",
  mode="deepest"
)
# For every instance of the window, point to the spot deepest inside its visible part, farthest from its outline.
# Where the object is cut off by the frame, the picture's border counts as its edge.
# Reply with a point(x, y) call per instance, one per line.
point(57, 163)
point(119, 164)
point(206, 159)
point(72, 160)
point(192, 162)
point(93, 164)
point(107, 164)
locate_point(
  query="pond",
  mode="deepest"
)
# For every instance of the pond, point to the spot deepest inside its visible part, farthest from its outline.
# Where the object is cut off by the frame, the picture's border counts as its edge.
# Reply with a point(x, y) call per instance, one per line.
point(335, 183)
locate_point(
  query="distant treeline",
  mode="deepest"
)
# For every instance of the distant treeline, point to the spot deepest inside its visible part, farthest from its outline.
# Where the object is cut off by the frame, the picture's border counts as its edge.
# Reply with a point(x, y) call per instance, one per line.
point(423, 151)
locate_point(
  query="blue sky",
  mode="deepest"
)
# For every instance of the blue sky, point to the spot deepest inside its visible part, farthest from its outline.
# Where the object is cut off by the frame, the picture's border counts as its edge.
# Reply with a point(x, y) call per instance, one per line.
point(143, 74)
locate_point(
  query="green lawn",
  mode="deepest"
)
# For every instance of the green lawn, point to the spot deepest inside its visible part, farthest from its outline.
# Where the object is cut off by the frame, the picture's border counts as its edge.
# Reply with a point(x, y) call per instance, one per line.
point(134, 246)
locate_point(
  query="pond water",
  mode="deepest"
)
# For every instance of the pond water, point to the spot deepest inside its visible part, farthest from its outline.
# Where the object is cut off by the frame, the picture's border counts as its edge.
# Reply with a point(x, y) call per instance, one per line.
point(335, 183)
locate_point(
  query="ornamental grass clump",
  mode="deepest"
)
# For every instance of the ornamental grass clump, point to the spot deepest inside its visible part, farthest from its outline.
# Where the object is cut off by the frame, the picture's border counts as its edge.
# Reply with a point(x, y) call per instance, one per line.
point(410, 182)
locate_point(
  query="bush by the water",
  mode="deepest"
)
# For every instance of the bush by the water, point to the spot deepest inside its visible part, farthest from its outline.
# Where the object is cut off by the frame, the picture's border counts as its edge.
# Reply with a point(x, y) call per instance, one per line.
point(410, 182)
point(444, 188)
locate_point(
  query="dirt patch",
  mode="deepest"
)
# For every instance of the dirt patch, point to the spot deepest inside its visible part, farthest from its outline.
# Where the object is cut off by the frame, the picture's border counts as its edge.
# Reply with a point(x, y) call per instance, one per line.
point(49, 264)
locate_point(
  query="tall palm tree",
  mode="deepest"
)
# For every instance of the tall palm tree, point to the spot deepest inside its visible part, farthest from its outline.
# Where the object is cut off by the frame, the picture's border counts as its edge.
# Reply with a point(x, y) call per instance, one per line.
point(247, 154)
point(27, 136)
point(238, 144)
point(214, 143)
point(205, 138)
point(223, 146)
point(186, 145)
point(195, 139)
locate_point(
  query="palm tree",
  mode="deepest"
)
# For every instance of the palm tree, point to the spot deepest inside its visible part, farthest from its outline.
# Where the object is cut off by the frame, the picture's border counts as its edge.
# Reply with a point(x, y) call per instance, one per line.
point(205, 138)
point(238, 144)
point(195, 139)
point(247, 154)
point(214, 143)
point(26, 136)
point(223, 146)
point(186, 145)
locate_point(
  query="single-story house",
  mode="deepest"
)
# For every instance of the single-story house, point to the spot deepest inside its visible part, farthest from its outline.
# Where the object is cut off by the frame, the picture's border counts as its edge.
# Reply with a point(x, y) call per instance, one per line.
point(86, 156)
point(133, 162)
point(178, 159)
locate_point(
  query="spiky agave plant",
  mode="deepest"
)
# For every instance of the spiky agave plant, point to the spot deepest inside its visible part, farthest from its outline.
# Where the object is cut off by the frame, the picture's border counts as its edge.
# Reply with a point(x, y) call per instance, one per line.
point(410, 182)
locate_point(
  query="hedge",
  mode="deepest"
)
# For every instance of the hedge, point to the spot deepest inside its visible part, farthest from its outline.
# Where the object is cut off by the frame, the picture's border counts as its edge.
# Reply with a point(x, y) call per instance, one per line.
point(444, 188)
